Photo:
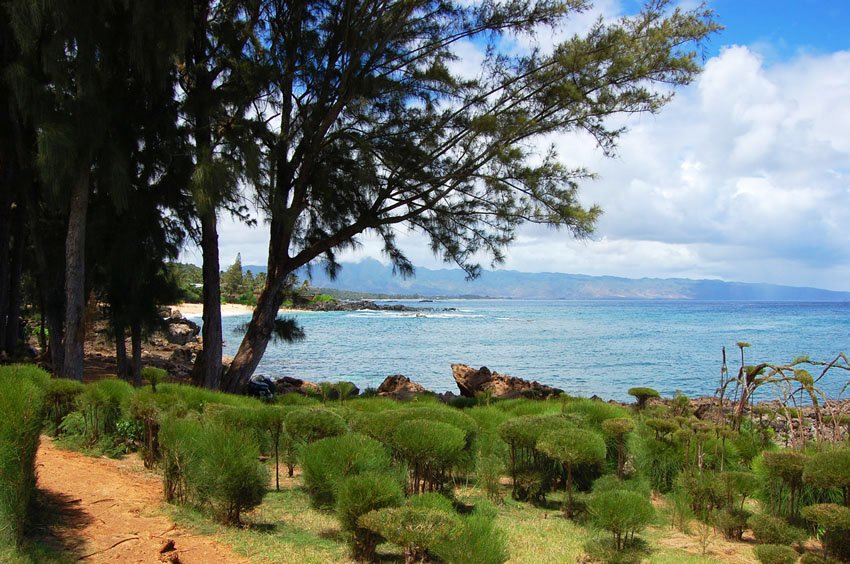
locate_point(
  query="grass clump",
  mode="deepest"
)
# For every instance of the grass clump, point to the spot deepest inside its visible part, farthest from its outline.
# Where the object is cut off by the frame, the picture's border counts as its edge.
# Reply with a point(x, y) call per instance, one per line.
point(328, 461)
point(22, 405)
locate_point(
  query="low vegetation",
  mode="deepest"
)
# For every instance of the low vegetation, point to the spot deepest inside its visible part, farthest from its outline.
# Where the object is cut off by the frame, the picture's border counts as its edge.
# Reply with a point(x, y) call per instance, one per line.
point(424, 480)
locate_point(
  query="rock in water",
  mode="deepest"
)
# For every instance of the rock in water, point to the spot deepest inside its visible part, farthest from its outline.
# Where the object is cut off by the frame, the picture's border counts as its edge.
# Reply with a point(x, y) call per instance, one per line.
point(400, 387)
point(471, 382)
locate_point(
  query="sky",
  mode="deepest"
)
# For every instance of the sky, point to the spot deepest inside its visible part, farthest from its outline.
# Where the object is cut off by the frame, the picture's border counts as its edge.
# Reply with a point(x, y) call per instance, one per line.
point(744, 176)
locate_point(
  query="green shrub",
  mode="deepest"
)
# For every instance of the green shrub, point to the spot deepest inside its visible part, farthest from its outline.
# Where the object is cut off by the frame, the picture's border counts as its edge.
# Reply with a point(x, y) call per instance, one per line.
point(531, 471)
point(22, 405)
point(328, 461)
point(101, 404)
point(810, 558)
point(775, 554)
point(356, 496)
point(658, 461)
point(617, 428)
point(475, 539)
point(571, 447)
point(622, 513)
point(704, 490)
point(609, 482)
point(731, 521)
point(154, 376)
point(835, 521)
point(642, 395)
point(312, 424)
point(593, 412)
point(149, 408)
point(212, 466)
point(431, 449)
point(830, 469)
point(196, 399)
point(768, 529)
point(414, 529)
point(61, 400)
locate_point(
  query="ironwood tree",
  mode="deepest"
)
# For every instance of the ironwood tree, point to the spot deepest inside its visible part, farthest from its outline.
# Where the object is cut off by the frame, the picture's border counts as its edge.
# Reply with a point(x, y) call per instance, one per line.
point(374, 129)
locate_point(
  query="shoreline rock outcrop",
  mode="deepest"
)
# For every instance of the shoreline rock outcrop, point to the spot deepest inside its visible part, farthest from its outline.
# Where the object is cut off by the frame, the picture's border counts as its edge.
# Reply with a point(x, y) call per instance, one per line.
point(400, 387)
point(471, 381)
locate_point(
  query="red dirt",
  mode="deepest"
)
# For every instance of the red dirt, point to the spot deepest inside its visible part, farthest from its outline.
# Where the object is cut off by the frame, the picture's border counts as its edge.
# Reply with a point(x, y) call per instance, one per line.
point(105, 510)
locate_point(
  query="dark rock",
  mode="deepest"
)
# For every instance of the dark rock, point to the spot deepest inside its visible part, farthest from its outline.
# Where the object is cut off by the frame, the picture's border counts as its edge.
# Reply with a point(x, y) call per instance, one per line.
point(260, 386)
point(471, 382)
point(400, 387)
point(180, 331)
point(288, 385)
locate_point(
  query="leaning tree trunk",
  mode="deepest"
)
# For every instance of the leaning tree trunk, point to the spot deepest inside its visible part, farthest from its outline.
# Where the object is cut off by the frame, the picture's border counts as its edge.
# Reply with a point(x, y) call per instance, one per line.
point(211, 335)
point(75, 279)
point(256, 339)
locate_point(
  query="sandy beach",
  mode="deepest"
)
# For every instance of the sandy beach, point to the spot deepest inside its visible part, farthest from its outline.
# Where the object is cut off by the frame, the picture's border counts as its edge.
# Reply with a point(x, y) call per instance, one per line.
point(227, 310)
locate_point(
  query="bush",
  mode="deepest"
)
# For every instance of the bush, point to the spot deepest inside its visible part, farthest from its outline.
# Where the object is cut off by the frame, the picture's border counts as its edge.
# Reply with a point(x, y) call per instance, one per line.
point(154, 376)
point(212, 466)
point(431, 449)
point(312, 424)
point(642, 395)
point(830, 469)
point(327, 462)
point(475, 539)
point(835, 520)
point(593, 412)
point(786, 467)
point(768, 529)
point(609, 482)
point(356, 496)
point(60, 400)
point(617, 429)
point(22, 405)
point(622, 513)
point(659, 461)
point(101, 404)
point(149, 408)
point(571, 447)
point(775, 554)
point(414, 529)
point(731, 521)
point(531, 471)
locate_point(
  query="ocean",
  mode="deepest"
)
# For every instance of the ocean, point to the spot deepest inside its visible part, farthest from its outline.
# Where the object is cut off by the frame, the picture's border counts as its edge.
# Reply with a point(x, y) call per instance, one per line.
point(583, 347)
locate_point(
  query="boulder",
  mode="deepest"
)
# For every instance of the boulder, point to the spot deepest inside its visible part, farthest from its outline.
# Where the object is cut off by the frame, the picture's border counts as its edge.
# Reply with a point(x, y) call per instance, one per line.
point(288, 384)
point(399, 387)
point(180, 331)
point(471, 381)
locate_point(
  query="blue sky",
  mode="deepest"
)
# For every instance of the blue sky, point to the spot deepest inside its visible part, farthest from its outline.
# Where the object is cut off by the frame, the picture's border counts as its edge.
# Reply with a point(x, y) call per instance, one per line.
point(744, 176)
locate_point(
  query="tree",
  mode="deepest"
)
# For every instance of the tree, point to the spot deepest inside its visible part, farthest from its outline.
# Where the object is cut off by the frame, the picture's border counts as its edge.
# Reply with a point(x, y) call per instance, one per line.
point(376, 131)
point(231, 280)
point(219, 84)
point(572, 446)
point(76, 60)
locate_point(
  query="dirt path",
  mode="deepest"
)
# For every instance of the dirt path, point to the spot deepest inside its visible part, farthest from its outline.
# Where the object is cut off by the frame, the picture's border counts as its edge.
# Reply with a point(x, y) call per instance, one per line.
point(106, 510)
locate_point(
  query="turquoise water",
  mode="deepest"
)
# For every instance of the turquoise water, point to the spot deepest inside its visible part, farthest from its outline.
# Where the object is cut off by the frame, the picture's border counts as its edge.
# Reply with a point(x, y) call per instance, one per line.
point(583, 347)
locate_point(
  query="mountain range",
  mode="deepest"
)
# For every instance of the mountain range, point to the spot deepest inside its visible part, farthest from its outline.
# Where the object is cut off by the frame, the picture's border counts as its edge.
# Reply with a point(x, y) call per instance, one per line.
point(372, 276)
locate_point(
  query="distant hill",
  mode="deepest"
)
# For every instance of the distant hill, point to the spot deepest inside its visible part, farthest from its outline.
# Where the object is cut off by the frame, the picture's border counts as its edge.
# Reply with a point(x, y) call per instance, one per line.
point(373, 277)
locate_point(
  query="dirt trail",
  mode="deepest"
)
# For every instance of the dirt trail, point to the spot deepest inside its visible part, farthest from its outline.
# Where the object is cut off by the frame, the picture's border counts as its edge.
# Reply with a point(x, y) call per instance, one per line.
point(106, 510)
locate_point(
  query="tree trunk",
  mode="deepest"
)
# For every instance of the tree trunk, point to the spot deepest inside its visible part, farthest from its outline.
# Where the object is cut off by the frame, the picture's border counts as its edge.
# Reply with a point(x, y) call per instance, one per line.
point(211, 330)
point(121, 350)
point(5, 240)
point(13, 319)
point(136, 344)
point(75, 280)
point(257, 337)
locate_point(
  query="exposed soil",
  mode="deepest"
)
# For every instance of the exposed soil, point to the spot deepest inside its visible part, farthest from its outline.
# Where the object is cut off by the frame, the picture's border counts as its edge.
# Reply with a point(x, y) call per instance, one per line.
point(105, 510)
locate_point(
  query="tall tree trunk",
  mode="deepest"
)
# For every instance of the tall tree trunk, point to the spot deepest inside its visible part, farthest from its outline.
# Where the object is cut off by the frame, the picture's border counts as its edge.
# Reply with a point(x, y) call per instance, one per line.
point(136, 344)
point(75, 280)
point(211, 330)
point(257, 337)
point(121, 350)
point(13, 319)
